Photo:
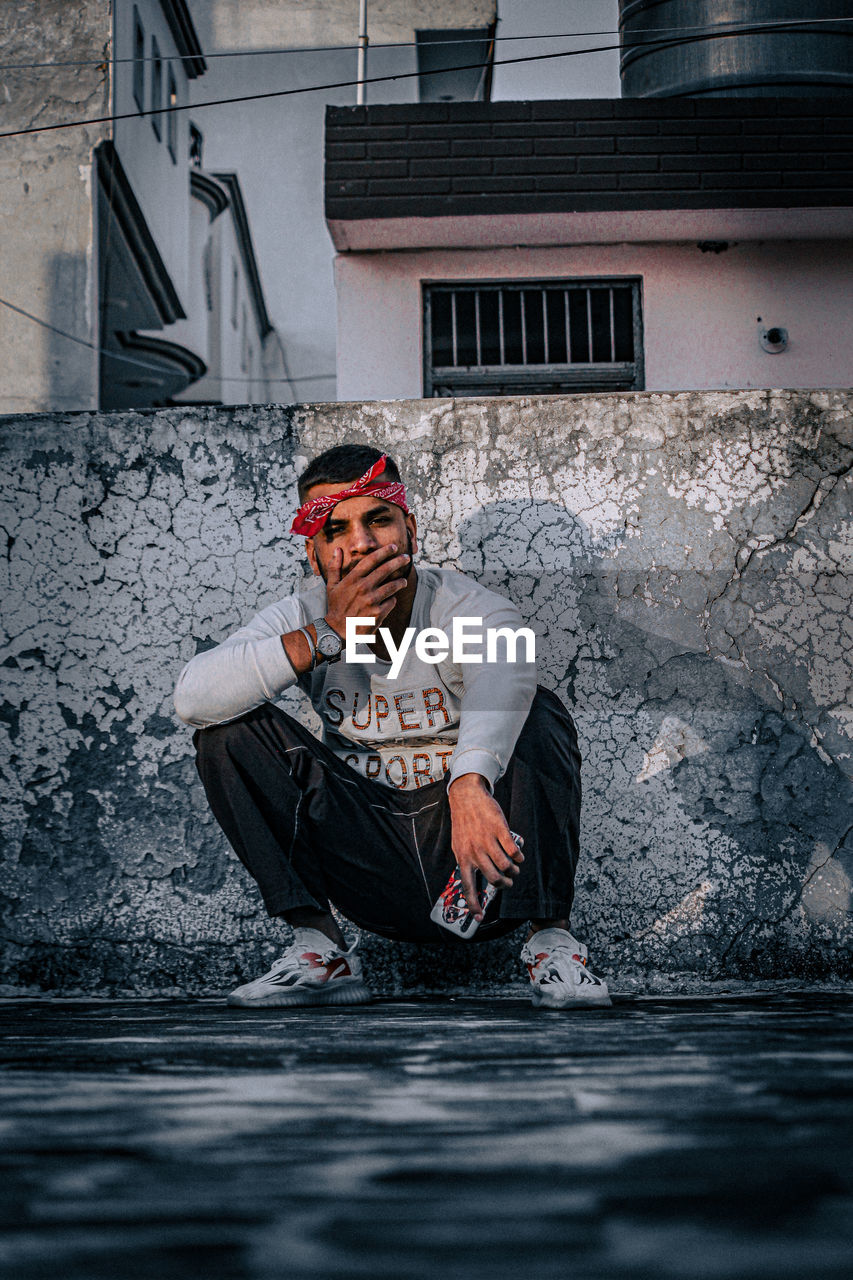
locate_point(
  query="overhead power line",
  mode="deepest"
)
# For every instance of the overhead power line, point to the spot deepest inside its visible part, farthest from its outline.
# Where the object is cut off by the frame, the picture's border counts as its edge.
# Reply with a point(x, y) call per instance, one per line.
point(403, 75)
point(712, 27)
point(144, 364)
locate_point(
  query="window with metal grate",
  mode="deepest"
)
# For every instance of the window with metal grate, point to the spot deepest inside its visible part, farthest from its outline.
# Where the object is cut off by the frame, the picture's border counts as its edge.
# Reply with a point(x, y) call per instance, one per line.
point(515, 337)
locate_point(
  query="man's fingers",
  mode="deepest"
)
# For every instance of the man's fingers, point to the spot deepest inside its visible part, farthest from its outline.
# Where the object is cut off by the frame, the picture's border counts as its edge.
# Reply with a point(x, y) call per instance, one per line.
point(468, 876)
point(509, 847)
point(501, 877)
point(386, 569)
point(375, 560)
point(501, 858)
point(487, 865)
point(387, 589)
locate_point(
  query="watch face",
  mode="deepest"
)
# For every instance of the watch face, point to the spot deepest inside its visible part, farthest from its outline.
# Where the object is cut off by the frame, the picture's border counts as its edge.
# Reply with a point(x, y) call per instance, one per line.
point(329, 646)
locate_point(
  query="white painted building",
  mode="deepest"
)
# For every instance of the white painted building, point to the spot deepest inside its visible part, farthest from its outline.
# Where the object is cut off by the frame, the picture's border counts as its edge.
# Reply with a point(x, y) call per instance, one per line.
point(111, 243)
point(665, 244)
point(703, 312)
point(230, 324)
point(276, 142)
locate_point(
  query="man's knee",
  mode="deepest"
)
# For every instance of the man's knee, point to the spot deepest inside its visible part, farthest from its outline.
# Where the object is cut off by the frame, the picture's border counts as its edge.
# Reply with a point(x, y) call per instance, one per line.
point(217, 740)
point(548, 728)
point(212, 744)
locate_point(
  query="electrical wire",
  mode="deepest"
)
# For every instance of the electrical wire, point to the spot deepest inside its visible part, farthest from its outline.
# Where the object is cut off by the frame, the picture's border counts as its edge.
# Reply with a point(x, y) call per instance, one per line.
point(347, 84)
point(706, 33)
point(733, 27)
point(144, 364)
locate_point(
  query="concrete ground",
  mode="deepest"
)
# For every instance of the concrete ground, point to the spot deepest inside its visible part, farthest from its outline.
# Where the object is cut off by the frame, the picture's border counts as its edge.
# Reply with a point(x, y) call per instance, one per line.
point(667, 1137)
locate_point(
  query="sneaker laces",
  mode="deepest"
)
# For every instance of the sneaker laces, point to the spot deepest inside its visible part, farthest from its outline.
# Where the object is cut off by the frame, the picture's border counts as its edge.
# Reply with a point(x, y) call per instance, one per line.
point(317, 944)
point(571, 949)
point(291, 957)
point(563, 948)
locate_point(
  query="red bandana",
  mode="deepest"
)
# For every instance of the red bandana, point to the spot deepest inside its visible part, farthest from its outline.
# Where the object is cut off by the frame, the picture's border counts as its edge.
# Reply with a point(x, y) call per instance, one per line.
point(312, 515)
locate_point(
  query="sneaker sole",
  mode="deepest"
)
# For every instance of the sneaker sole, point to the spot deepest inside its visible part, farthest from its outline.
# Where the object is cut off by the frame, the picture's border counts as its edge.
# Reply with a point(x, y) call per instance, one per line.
point(573, 1002)
point(351, 993)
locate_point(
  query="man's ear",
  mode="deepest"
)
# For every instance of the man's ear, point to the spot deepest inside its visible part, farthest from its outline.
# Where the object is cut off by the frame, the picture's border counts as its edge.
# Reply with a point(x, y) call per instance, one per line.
point(412, 526)
point(312, 557)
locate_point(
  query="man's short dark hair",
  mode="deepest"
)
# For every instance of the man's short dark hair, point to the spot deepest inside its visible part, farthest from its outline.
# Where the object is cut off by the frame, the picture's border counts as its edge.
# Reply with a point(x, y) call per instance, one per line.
point(343, 462)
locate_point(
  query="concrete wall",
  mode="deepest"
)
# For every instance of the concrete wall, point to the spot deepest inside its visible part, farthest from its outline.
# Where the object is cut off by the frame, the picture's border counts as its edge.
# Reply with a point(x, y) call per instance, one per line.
point(700, 310)
point(684, 558)
point(293, 24)
point(48, 263)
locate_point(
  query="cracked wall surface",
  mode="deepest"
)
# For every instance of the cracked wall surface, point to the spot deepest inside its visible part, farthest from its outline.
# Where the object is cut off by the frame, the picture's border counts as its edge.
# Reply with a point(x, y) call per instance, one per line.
point(685, 560)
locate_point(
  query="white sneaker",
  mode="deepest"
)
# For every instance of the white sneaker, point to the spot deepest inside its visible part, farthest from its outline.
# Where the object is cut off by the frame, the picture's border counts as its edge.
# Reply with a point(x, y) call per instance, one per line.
point(560, 979)
point(313, 970)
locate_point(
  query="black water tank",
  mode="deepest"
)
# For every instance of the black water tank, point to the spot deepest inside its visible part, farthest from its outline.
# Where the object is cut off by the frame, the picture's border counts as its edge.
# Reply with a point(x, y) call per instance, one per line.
point(678, 47)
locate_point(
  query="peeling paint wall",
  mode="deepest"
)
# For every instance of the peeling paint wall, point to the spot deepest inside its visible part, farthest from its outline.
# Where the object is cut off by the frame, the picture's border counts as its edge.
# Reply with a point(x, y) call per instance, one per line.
point(685, 559)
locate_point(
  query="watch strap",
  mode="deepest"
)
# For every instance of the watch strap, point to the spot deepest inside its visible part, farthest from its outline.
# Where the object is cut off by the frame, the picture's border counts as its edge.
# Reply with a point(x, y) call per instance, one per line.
point(323, 628)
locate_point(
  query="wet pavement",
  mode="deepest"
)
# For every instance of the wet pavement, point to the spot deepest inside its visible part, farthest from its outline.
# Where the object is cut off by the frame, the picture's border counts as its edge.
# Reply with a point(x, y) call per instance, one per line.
point(694, 1137)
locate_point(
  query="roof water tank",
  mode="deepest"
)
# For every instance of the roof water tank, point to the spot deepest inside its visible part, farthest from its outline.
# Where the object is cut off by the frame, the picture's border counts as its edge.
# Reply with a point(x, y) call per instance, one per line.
point(736, 48)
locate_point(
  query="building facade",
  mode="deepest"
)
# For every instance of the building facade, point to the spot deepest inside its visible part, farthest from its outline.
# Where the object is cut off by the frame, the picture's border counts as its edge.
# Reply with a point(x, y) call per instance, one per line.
point(416, 53)
point(110, 235)
point(668, 244)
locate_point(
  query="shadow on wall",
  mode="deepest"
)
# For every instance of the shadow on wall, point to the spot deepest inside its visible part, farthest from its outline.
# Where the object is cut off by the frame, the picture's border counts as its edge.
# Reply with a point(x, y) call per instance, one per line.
point(716, 831)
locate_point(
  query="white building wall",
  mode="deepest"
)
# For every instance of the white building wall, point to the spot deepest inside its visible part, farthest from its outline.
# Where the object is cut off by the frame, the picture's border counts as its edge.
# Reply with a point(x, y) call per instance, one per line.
point(193, 332)
point(236, 365)
point(277, 144)
point(160, 183)
point(700, 310)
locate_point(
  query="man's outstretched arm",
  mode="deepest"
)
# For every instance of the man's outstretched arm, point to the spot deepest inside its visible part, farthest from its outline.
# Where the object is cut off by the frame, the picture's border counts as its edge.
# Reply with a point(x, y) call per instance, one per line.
point(481, 838)
point(496, 698)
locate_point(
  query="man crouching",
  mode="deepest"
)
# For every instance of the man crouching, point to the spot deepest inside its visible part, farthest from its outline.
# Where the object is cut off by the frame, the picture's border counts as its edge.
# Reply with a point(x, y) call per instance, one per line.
point(432, 756)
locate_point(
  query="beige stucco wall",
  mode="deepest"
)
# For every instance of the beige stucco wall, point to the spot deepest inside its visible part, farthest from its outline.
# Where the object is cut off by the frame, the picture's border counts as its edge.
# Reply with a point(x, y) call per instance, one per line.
point(700, 310)
point(293, 24)
point(684, 559)
point(48, 263)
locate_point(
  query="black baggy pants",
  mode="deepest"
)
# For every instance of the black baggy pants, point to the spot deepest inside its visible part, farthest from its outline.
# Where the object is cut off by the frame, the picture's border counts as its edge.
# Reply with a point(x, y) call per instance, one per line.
point(313, 831)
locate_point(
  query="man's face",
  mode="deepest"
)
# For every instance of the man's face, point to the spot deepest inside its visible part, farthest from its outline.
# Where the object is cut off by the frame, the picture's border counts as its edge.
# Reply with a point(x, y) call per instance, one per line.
point(356, 527)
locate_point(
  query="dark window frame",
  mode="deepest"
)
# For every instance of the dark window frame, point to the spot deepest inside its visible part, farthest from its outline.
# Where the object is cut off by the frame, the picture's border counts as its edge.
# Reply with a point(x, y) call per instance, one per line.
point(244, 339)
point(235, 294)
point(445, 59)
point(196, 146)
point(534, 377)
point(156, 88)
point(172, 117)
point(138, 60)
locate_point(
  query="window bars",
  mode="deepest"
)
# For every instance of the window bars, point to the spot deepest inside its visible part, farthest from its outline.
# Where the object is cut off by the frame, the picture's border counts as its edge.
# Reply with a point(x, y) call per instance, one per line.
point(504, 338)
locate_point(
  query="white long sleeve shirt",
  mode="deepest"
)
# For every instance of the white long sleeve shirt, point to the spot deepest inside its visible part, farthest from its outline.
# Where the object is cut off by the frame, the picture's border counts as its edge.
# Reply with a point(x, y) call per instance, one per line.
point(433, 719)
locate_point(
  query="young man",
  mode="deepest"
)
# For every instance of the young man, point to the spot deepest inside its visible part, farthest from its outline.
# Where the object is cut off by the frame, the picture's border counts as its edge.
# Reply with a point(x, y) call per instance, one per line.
point(430, 758)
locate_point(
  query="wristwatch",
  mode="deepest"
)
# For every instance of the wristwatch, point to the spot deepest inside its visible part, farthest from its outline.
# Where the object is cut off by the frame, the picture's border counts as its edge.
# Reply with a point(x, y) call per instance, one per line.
point(329, 643)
